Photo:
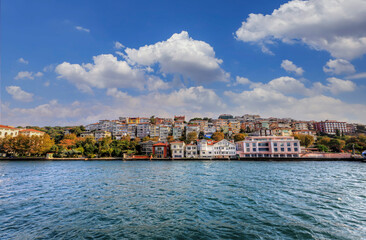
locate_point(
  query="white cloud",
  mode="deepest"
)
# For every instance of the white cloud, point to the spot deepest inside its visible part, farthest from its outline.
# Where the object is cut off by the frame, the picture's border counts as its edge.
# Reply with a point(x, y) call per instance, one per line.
point(118, 45)
point(336, 26)
point(38, 74)
point(155, 83)
point(242, 80)
point(24, 75)
point(291, 67)
point(358, 76)
point(181, 54)
point(82, 29)
point(22, 60)
point(49, 68)
point(337, 85)
point(18, 94)
point(339, 66)
point(284, 85)
point(105, 72)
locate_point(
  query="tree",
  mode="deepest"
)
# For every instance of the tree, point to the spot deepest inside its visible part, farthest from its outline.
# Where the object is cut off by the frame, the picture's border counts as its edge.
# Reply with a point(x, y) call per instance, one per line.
point(152, 119)
point(239, 137)
point(305, 140)
point(191, 137)
point(322, 148)
point(201, 135)
point(337, 145)
point(170, 138)
point(218, 136)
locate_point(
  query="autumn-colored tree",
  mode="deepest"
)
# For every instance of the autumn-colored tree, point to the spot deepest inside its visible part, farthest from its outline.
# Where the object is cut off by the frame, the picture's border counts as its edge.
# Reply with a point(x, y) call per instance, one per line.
point(305, 140)
point(145, 139)
point(191, 137)
point(68, 141)
point(239, 137)
point(170, 138)
point(218, 136)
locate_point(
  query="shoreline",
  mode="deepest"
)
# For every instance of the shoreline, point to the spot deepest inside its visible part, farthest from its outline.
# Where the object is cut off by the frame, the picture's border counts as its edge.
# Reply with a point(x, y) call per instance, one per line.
point(262, 159)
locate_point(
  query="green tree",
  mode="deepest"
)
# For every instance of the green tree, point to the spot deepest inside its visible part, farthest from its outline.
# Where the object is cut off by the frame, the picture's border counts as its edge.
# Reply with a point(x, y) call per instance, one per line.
point(322, 148)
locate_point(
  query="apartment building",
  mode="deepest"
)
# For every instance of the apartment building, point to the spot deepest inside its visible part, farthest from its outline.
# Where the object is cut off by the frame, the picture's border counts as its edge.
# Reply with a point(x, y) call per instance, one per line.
point(177, 149)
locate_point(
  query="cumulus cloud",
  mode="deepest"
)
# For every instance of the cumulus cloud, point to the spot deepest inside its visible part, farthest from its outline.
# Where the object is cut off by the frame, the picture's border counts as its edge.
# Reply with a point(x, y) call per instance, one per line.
point(155, 83)
point(105, 72)
point(337, 85)
point(18, 94)
point(82, 29)
point(336, 26)
point(291, 67)
point(22, 60)
point(241, 81)
point(181, 54)
point(339, 66)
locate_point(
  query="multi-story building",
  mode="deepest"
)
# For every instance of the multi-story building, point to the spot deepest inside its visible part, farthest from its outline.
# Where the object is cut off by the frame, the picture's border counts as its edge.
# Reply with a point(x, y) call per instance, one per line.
point(212, 149)
point(31, 132)
point(209, 130)
point(86, 134)
point(147, 147)
point(201, 123)
point(282, 132)
point(300, 126)
point(251, 118)
point(131, 130)
point(160, 150)
point(219, 124)
point(164, 132)
point(331, 127)
point(177, 132)
point(191, 151)
point(154, 131)
point(177, 149)
point(101, 134)
point(142, 130)
point(8, 131)
point(192, 128)
point(234, 125)
point(270, 146)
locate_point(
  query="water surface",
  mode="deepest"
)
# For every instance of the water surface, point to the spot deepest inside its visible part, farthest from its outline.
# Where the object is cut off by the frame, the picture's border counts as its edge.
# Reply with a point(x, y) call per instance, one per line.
point(182, 200)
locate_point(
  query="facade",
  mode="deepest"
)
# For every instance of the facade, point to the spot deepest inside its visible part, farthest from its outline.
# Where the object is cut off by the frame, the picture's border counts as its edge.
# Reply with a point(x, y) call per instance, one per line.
point(177, 132)
point(31, 132)
point(101, 134)
point(191, 151)
point(86, 134)
point(164, 132)
point(282, 131)
point(142, 130)
point(160, 150)
point(154, 131)
point(147, 147)
point(8, 131)
point(269, 146)
point(192, 128)
point(177, 149)
point(212, 149)
point(331, 127)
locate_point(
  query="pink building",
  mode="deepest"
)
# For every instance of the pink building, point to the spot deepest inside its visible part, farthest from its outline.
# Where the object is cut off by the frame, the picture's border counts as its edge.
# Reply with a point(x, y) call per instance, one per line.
point(268, 146)
point(331, 127)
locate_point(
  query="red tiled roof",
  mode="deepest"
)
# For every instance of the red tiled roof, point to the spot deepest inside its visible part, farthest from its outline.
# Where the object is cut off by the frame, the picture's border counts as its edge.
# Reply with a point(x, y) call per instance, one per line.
point(30, 130)
point(160, 144)
point(3, 126)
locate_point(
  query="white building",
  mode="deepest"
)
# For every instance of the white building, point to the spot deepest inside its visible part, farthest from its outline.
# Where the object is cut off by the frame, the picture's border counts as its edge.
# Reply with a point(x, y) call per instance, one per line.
point(177, 132)
point(101, 134)
point(212, 149)
point(8, 131)
point(192, 128)
point(142, 130)
point(177, 149)
point(191, 151)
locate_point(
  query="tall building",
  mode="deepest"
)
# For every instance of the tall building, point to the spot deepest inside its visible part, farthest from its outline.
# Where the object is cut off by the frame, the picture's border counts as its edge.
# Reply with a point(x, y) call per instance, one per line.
point(331, 127)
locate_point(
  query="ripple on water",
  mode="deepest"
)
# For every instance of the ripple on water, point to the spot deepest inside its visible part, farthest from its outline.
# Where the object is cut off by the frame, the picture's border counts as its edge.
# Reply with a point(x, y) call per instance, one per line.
point(182, 200)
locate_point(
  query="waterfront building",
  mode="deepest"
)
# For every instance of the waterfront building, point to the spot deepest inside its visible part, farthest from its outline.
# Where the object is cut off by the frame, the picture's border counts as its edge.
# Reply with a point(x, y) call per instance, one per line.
point(191, 151)
point(147, 147)
point(212, 149)
point(331, 127)
point(268, 146)
point(8, 131)
point(160, 150)
point(177, 149)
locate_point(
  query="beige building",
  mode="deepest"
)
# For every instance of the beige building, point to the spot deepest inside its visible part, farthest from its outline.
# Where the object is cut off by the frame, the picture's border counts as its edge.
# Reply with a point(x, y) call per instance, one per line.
point(101, 134)
point(8, 131)
point(31, 132)
point(177, 149)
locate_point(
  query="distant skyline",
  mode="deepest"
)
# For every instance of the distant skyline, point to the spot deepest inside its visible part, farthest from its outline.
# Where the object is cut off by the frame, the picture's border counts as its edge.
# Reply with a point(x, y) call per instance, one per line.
point(75, 62)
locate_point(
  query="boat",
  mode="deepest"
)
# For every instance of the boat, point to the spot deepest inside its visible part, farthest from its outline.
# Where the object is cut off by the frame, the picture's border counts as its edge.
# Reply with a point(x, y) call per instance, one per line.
point(364, 154)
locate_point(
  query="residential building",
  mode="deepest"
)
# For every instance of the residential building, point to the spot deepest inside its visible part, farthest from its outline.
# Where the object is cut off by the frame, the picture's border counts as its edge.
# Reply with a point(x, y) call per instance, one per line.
point(331, 127)
point(142, 130)
point(177, 149)
point(8, 131)
point(209, 130)
point(192, 128)
point(219, 124)
point(131, 130)
point(282, 132)
point(212, 149)
point(191, 151)
point(101, 134)
point(268, 146)
point(205, 148)
point(300, 126)
point(86, 134)
point(154, 131)
point(201, 123)
point(160, 150)
point(164, 132)
point(177, 132)
point(147, 147)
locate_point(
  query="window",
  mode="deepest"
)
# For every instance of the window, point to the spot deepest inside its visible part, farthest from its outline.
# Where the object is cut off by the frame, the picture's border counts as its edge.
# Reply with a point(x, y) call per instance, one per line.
point(253, 144)
point(254, 149)
point(282, 144)
point(263, 144)
point(282, 149)
point(275, 144)
point(295, 144)
point(248, 149)
point(288, 149)
point(263, 149)
point(247, 144)
point(295, 149)
point(288, 144)
point(276, 149)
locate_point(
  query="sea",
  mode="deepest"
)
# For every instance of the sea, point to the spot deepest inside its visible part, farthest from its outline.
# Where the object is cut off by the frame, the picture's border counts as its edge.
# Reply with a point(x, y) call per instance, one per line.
point(182, 200)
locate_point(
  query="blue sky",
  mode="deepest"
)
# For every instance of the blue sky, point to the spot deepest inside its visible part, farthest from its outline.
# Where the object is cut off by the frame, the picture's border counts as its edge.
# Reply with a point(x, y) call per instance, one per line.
point(74, 62)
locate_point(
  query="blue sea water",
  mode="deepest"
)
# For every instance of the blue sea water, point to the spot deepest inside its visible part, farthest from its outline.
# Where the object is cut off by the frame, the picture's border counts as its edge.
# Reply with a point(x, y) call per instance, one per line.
point(182, 200)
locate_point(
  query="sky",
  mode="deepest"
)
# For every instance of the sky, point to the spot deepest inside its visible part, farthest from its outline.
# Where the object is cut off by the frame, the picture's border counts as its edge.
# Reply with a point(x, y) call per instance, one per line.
point(77, 62)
